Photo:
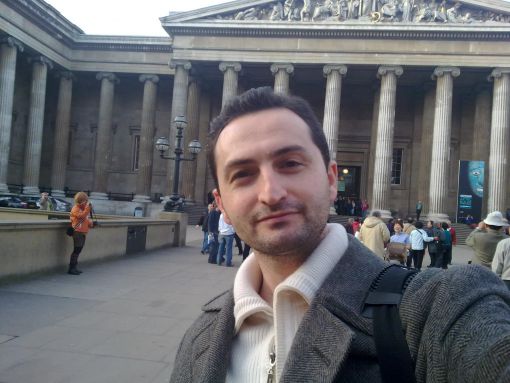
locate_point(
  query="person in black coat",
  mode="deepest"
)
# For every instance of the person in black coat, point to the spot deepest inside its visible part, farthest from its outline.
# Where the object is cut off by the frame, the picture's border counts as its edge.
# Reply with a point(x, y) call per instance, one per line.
point(213, 231)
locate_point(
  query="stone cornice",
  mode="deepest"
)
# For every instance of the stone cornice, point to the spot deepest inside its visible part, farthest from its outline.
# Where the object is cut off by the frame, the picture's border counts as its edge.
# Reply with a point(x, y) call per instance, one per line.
point(344, 30)
point(123, 43)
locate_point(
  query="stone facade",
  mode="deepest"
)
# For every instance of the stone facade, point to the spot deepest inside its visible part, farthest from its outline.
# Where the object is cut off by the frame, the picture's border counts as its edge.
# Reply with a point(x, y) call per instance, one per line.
point(405, 90)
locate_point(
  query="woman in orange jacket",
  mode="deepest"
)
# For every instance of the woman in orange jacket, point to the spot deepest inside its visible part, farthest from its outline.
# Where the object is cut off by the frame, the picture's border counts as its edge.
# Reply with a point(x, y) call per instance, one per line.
point(81, 224)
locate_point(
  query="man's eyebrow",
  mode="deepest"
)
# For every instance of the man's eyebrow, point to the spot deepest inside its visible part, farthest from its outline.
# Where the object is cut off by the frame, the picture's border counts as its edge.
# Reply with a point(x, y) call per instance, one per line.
point(276, 153)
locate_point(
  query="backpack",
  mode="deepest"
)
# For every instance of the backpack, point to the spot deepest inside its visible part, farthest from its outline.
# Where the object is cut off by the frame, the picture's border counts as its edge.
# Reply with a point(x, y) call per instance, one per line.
point(381, 304)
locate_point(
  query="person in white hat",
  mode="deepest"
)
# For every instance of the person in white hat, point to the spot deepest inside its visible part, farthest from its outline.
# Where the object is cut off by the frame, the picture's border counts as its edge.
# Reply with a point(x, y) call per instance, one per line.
point(486, 237)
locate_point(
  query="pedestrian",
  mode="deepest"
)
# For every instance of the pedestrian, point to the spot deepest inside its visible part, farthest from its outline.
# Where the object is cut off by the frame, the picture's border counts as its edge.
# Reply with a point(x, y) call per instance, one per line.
point(447, 246)
point(239, 244)
point(213, 232)
point(226, 241)
point(45, 202)
point(204, 225)
point(364, 208)
point(295, 312)
point(485, 238)
point(435, 247)
point(374, 234)
point(356, 225)
point(81, 223)
point(418, 237)
point(419, 208)
point(409, 225)
point(390, 225)
point(501, 261)
point(398, 248)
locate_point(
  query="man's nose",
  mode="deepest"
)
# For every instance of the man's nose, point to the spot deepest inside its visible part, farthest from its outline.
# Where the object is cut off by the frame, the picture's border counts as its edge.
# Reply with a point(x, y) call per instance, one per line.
point(272, 189)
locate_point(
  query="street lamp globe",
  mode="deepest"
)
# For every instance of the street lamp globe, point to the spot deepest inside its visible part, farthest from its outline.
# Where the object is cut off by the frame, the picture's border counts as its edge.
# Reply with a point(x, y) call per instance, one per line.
point(162, 144)
point(194, 147)
point(180, 122)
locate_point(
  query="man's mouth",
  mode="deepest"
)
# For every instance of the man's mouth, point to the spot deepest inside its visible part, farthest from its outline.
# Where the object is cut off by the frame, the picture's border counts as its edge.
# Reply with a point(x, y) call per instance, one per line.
point(276, 216)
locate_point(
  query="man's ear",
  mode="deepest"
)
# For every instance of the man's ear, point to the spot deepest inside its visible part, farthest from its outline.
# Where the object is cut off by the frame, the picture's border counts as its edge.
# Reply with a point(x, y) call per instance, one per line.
point(219, 202)
point(332, 180)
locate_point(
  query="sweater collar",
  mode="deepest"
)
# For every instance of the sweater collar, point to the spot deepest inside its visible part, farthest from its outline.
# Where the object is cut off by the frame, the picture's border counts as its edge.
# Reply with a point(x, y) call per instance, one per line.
point(305, 281)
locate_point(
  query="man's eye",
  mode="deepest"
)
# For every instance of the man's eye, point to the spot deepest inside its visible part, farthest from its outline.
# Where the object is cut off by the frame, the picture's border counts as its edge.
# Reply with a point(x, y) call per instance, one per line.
point(239, 175)
point(291, 164)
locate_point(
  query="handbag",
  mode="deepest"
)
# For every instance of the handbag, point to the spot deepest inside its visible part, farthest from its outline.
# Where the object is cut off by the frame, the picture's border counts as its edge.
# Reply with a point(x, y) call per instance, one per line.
point(70, 231)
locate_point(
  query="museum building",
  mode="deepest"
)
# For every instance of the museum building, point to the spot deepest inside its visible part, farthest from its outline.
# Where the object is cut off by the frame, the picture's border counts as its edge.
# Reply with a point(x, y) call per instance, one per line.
point(405, 90)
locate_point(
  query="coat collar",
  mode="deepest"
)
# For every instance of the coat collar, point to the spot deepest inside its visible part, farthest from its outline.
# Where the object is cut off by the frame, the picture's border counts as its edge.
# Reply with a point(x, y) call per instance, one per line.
point(326, 333)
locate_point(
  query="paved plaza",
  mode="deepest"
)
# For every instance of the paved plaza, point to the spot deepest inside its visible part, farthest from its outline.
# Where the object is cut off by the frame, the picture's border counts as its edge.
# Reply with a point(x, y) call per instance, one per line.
point(121, 321)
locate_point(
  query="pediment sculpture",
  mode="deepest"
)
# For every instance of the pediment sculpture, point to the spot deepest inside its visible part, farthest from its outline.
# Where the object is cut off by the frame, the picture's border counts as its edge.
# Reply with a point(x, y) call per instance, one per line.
point(368, 11)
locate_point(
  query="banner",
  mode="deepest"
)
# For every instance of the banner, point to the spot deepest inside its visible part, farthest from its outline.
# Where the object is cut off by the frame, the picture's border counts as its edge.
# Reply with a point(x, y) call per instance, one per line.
point(470, 191)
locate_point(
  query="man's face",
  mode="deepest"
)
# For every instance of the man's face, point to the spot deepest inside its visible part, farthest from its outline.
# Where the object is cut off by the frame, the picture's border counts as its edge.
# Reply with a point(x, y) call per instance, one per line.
point(274, 186)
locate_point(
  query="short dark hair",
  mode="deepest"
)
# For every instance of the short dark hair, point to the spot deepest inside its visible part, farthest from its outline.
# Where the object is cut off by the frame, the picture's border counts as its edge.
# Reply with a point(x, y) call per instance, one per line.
point(494, 227)
point(419, 225)
point(256, 100)
point(445, 225)
point(376, 213)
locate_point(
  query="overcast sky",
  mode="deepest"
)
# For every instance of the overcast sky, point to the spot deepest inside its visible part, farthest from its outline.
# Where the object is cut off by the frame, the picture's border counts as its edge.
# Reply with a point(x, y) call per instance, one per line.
point(124, 17)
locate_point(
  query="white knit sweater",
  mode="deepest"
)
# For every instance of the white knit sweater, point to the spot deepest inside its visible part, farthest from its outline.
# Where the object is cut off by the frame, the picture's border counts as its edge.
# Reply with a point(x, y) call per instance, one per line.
point(261, 328)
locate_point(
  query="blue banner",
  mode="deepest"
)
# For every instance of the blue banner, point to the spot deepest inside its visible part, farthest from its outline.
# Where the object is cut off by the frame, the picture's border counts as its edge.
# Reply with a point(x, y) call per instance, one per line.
point(470, 191)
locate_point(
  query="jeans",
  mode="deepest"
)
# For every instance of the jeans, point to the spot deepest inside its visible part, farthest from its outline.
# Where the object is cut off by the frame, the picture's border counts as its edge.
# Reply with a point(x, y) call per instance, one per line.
point(213, 248)
point(205, 243)
point(226, 243)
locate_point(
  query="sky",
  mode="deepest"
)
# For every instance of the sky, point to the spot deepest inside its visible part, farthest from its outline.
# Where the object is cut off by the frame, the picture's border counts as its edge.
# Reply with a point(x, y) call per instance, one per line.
point(124, 17)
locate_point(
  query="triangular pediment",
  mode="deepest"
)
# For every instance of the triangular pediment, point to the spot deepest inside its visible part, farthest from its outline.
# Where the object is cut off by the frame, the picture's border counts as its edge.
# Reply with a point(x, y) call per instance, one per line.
point(418, 12)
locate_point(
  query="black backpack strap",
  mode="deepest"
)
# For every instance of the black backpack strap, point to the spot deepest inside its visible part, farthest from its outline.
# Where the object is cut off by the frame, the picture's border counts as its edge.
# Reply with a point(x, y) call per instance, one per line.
point(381, 304)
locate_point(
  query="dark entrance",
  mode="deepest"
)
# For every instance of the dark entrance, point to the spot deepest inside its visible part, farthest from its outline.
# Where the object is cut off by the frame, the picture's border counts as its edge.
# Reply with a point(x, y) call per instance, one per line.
point(349, 179)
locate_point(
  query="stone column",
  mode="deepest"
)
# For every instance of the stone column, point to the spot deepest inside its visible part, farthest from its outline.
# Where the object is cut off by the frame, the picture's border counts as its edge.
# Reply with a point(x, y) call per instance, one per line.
point(334, 74)
point(104, 131)
point(191, 133)
point(33, 145)
point(230, 71)
point(384, 141)
point(179, 108)
point(425, 147)
point(144, 176)
point(281, 73)
point(60, 146)
point(441, 139)
point(500, 129)
point(8, 53)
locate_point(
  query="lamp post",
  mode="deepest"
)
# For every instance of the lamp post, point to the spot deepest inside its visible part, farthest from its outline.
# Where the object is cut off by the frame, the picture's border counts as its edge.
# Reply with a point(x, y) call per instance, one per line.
point(194, 147)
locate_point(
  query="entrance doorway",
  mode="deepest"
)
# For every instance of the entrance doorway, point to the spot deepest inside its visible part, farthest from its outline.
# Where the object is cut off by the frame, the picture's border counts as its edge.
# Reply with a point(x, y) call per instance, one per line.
point(349, 180)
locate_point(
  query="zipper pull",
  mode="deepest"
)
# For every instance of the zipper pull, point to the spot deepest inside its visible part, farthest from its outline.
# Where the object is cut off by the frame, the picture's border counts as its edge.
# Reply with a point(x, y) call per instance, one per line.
point(270, 369)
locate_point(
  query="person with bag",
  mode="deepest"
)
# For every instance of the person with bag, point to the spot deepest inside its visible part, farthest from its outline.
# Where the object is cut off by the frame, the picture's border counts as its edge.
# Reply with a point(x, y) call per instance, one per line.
point(434, 247)
point(80, 224)
point(418, 238)
point(396, 250)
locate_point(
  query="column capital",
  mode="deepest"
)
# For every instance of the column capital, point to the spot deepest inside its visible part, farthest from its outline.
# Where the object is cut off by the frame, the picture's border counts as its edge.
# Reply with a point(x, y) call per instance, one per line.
point(12, 42)
point(329, 68)
point(41, 60)
point(289, 68)
point(67, 75)
point(442, 70)
point(109, 76)
point(383, 70)
point(148, 77)
point(186, 65)
point(498, 73)
point(226, 65)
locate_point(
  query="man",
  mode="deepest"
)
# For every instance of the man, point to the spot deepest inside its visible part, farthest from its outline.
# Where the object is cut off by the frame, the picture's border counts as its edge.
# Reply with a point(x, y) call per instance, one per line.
point(374, 234)
point(294, 314)
point(204, 225)
point(419, 208)
point(501, 261)
point(485, 238)
point(418, 237)
point(226, 240)
point(213, 230)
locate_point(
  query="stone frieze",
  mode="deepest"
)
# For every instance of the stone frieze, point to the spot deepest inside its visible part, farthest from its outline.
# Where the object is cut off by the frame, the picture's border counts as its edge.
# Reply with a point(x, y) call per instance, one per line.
point(367, 11)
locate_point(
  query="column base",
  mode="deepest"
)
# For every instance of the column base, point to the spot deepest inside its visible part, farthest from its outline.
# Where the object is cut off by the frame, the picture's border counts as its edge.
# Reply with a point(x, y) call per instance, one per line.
point(98, 195)
point(436, 217)
point(4, 189)
point(31, 190)
point(142, 198)
point(58, 193)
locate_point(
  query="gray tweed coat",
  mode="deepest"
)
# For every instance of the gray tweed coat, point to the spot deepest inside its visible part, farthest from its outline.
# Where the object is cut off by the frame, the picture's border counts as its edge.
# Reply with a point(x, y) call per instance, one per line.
point(457, 326)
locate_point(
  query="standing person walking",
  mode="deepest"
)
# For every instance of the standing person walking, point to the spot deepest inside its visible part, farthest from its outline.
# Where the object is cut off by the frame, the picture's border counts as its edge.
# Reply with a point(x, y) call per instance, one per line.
point(374, 234)
point(501, 261)
point(226, 240)
point(419, 208)
point(203, 224)
point(418, 238)
point(212, 229)
point(81, 223)
point(44, 202)
point(485, 238)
